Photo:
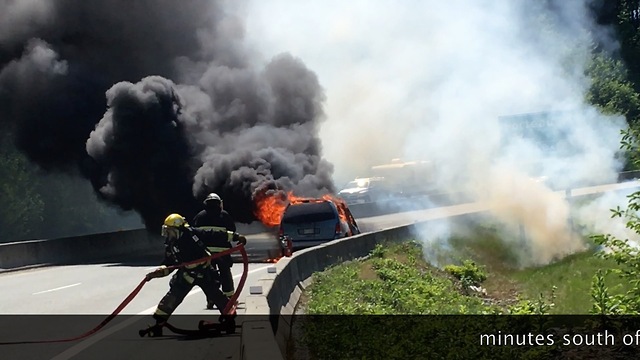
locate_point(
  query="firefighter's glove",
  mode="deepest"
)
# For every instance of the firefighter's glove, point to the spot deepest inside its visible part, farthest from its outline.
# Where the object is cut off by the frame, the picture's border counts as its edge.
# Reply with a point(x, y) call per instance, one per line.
point(241, 239)
point(157, 273)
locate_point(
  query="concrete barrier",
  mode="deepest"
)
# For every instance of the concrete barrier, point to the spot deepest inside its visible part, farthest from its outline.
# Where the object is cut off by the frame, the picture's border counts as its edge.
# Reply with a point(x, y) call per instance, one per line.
point(417, 202)
point(118, 245)
point(628, 175)
point(80, 249)
point(278, 294)
point(140, 242)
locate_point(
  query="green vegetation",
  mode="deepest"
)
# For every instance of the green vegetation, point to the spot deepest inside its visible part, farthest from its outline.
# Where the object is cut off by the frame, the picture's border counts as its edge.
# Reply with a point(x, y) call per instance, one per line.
point(38, 205)
point(394, 281)
point(565, 283)
point(468, 273)
point(22, 205)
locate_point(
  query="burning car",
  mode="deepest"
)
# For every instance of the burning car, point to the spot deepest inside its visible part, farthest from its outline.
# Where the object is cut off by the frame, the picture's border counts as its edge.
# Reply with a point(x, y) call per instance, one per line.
point(310, 222)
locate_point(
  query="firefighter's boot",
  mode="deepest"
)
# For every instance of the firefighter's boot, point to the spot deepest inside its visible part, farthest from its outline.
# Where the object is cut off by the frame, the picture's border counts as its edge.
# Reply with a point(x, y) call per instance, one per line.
point(151, 331)
point(228, 323)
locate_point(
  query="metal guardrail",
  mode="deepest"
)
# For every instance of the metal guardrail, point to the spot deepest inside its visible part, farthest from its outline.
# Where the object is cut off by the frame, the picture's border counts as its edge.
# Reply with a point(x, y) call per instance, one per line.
point(628, 175)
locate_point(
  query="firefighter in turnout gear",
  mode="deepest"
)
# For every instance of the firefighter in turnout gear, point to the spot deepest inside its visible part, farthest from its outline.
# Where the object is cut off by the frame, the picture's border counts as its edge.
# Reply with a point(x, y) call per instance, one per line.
point(216, 218)
point(184, 243)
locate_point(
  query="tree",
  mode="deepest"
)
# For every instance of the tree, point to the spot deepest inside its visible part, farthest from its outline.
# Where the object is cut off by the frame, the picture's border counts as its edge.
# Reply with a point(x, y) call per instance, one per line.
point(611, 89)
point(623, 251)
point(612, 92)
point(22, 205)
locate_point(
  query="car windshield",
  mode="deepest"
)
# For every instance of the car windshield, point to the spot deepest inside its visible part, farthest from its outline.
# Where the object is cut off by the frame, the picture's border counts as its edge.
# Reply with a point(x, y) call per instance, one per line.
point(308, 212)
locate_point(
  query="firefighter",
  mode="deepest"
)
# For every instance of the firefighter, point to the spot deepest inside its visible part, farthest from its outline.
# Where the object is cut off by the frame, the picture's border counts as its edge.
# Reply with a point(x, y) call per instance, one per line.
point(184, 244)
point(213, 216)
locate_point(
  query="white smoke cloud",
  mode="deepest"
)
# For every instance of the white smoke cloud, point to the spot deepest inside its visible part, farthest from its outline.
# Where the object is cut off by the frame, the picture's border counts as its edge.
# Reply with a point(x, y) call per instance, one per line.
point(594, 216)
point(430, 79)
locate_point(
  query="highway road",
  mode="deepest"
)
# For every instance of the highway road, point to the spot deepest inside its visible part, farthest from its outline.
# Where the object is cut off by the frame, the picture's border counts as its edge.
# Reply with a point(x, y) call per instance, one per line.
point(97, 289)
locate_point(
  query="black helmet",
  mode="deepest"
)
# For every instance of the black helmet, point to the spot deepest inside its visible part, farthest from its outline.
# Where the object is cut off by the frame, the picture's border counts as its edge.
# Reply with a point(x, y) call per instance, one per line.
point(213, 197)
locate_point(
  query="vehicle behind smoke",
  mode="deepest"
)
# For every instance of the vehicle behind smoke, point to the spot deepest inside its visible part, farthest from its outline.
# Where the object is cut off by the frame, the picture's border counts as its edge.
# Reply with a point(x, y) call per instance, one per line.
point(366, 190)
point(408, 178)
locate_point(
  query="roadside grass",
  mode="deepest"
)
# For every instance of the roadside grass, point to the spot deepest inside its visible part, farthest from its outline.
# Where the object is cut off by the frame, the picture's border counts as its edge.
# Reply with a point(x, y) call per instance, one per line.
point(570, 278)
point(394, 280)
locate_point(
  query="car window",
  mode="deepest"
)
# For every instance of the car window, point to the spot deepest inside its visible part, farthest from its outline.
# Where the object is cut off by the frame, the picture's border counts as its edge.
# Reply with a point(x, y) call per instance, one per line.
point(308, 212)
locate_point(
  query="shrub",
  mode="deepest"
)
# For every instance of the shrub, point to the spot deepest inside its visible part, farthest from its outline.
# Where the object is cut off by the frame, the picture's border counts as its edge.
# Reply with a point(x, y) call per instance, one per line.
point(468, 273)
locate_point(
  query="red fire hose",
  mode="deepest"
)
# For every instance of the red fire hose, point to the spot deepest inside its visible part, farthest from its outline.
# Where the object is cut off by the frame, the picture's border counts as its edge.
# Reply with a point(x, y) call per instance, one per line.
point(231, 305)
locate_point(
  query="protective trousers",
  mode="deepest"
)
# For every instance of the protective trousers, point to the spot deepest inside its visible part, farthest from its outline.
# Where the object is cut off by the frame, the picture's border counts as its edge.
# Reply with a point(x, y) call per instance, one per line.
point(226, 277)
point(182, 282)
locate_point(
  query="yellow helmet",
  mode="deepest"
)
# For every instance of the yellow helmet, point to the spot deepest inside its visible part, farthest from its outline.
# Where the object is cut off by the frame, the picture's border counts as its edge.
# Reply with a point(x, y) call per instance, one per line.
point(171, 225)
point(175, 220)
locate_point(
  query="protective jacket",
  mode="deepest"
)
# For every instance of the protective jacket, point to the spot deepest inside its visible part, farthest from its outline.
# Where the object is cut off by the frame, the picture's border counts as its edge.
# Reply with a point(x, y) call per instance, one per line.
point(193, 244)
point(189, 246)
point(207, 218)
point(220, 220)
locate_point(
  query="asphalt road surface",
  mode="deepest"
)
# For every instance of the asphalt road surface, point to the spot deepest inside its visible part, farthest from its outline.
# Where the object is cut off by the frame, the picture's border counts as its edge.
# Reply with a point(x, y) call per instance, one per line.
point(83, 295)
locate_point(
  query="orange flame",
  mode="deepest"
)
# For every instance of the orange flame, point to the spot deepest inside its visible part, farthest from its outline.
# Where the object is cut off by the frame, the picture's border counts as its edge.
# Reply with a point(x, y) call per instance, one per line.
point(270, 205)
point(340, 204)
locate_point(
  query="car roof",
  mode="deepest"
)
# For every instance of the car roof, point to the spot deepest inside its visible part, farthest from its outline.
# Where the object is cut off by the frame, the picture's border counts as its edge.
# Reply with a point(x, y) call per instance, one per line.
point(310, 206)
point(308, 200)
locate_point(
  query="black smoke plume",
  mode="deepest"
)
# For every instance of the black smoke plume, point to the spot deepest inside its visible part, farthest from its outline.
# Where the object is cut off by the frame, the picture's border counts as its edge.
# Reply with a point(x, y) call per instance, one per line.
point(157, 104)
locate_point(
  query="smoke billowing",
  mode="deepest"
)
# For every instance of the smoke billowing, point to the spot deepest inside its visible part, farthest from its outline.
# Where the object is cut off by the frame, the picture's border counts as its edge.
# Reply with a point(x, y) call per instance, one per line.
point(159, 102)
point(156, 103)
point(430, 80)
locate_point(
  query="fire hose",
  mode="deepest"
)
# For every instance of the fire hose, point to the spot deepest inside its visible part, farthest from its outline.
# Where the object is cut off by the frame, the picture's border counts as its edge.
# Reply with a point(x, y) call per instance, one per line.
point(231, 305)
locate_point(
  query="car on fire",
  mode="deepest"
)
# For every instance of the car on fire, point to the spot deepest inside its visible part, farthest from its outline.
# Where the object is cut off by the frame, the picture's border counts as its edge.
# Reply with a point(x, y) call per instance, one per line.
point(311, 222)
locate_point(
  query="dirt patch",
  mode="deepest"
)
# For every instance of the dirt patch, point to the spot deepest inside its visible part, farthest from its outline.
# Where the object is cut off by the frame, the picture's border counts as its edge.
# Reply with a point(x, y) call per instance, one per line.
point(403, 258)
point(501, 290)
point(303, 304)
point(367, 272)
